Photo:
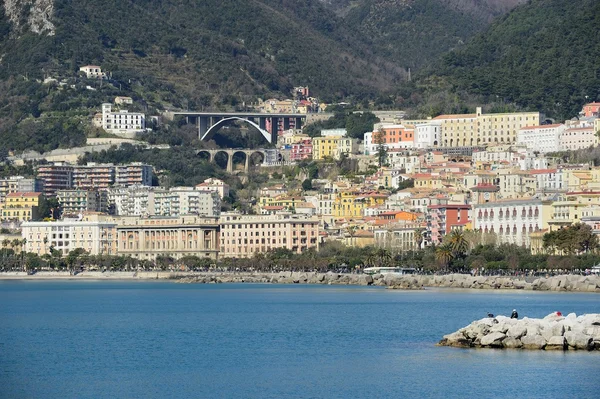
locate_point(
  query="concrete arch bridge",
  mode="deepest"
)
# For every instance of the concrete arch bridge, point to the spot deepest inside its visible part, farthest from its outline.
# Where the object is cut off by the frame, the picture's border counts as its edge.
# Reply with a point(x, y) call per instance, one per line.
point(230, 153)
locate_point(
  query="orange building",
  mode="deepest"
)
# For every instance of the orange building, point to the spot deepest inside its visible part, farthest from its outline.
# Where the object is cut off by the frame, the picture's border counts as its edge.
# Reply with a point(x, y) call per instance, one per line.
point(591, 109)
point(398, 215)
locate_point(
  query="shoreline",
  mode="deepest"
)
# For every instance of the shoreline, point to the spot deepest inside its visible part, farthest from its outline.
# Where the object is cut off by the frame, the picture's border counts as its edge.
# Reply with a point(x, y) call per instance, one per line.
point(564, 283)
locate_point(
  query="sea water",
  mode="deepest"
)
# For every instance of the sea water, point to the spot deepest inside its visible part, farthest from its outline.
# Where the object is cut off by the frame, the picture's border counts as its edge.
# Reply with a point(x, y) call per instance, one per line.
point(86, 339)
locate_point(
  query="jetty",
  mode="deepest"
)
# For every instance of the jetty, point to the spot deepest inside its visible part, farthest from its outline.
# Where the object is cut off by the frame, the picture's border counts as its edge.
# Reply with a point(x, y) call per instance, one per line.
point(553, 332)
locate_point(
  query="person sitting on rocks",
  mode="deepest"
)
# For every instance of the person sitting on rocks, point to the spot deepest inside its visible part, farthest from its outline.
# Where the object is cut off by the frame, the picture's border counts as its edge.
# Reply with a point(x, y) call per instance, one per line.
point(490, 314)
point(514, 314)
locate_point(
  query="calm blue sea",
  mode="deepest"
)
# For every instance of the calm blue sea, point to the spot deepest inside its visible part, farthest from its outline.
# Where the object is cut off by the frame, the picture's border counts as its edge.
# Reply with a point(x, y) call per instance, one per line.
point(166, 340)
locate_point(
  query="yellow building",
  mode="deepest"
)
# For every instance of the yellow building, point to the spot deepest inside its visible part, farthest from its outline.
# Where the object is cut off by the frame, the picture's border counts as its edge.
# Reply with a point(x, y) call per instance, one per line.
point(333, 147)
point(351, 204)
point(428, 181)
point(568, 210)
point(359, 238)
point(21, 206)
point(484, 129)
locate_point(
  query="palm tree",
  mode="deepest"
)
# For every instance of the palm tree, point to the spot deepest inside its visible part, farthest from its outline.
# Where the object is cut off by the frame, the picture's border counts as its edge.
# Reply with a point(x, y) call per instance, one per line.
point(418, 235)
point(444, 254)
point(5, 243)
point(384, 256)
point(458, 243)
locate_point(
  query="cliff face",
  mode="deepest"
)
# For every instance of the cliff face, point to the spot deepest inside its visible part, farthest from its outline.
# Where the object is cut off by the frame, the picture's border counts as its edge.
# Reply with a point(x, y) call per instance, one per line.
point(30, 15)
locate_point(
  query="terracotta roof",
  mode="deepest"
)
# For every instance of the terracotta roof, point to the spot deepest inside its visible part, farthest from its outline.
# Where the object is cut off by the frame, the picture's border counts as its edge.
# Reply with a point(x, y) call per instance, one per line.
point(21, 195)
point(456, 116)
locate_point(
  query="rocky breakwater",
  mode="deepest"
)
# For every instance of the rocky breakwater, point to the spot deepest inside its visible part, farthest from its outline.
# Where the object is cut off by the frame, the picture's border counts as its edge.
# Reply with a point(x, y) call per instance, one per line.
point(555, 283)
point(553, 332)
point(284, 278)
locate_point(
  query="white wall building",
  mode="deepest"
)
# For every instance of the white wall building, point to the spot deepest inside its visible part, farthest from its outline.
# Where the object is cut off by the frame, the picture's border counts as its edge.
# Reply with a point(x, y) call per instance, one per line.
point(179, 201)
point(502, 153)
point(428, 134)
point(217, 185)
point(548, 180)
point(130, 201)
point(334, 132)
point(122, 122)
point(95, 236)
point(401, 159)
point(511, 220)
point(93, 72)
point(578, 138)
point(545, 138)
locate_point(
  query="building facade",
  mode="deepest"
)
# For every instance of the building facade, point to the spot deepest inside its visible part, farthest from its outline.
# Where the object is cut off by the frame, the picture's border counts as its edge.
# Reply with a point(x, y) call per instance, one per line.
point(122, 122)
point(95, 234)
point(178, 201)
point(148, 238)
point(441, 219)
point(511, 220)
point(21, 206)
point(242, 236)
point(543, 139)
point(578, 138)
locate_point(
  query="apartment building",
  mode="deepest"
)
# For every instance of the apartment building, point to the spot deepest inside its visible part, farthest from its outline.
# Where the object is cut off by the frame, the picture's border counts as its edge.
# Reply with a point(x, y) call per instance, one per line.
point(578, 138)
point(93, 176)
point(21, 206)
point(428, 135)
point(122, 121)
point(133, 174)
point(543, 139)
point(468, 130)
point(55, 177)
point(301, 151)
point(214, 184)
point(390, 136)
point(441, 219)
point(242, 236)
point(18, 184)
point(96, 234)
point(333, 147)
point(512, 221)
point(75, 202)
point(179, 201)
point(130, 201)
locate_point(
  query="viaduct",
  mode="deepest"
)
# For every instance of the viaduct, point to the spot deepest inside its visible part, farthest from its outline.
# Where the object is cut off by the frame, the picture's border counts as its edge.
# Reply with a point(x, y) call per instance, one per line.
point(267, 124)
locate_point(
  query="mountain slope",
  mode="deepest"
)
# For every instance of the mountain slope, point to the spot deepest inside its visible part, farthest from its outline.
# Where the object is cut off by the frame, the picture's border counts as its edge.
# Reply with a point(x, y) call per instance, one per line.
point(545, 55)
point(415, 33)
point(247, 48)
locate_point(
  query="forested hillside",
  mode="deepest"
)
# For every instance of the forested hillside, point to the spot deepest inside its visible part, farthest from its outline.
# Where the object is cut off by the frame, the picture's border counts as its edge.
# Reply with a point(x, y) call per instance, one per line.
point(545, 55)
point(414, 33)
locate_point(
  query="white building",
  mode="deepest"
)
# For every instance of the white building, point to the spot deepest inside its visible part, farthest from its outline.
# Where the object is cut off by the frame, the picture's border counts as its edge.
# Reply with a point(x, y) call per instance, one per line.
point(130, 201)
point(401, 159)
point(179, 201)
point(94, 234)
point(578, 138)
point(93, 72)
point(334, 133)
point(548, 180)
point(511, 220)
point(217, 185)
point(545, 138)
point(427, 134)
point(122, 122)
point(501, 153)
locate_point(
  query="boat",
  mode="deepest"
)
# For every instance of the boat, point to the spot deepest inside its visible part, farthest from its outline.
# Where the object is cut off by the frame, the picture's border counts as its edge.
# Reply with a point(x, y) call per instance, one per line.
point(389, 270)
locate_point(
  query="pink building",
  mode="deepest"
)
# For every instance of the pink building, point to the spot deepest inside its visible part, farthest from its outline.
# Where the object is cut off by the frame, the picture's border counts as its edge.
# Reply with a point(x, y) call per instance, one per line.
point(302, 150)
point(242, 236)
point(441, 219)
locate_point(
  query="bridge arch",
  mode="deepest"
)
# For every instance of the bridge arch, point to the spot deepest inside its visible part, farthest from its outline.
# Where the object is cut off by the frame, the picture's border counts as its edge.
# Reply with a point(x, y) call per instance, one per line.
point(211, 131)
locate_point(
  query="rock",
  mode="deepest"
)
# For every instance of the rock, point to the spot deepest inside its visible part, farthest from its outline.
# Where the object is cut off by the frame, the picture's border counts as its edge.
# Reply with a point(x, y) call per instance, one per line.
point(556, 343)
point(577, 340)
point(533, 342)
point(500, 327)
point(517, 331)
point(493, 339)
point(457, 340)
point(511, 343)
point(365, 280)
